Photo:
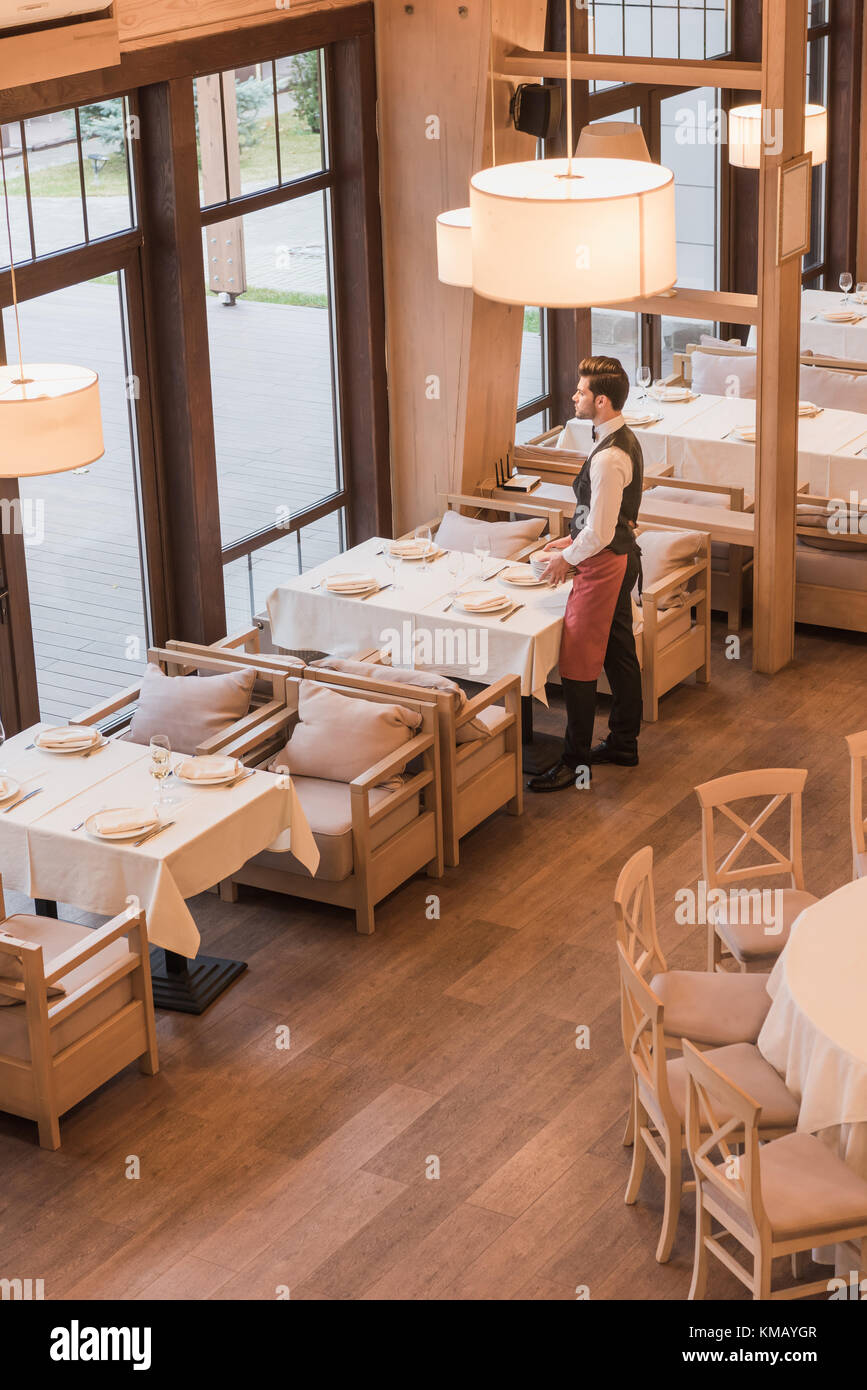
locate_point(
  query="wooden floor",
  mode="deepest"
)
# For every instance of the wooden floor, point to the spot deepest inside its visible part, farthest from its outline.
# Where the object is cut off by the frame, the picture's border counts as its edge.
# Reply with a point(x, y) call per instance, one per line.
point(441, 1046)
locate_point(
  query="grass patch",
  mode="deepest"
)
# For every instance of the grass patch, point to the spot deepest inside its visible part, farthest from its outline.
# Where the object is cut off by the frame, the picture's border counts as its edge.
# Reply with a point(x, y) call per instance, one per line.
point(296, 297)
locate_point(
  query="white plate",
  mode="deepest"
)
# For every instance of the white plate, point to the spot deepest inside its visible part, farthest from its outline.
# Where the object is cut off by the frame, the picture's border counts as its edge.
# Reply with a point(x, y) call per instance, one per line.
point(638, 418)
point(672, 393)
point(90, 827)
point(502, 602)
point(839, 315)
point(89, 740)
point(351, 583)
point(9, 795)
point(214, 781)
point(525, 580)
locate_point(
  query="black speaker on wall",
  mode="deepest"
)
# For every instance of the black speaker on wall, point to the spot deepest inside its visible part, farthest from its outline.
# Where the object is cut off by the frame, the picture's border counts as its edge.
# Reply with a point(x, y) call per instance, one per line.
point(536, 110)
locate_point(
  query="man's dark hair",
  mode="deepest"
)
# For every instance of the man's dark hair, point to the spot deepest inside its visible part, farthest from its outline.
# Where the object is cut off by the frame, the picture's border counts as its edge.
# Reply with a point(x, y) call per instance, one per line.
point(606, 378)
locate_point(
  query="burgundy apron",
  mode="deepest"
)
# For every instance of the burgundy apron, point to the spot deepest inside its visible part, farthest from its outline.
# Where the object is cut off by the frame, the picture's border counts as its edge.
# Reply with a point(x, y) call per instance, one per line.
point(589, 614)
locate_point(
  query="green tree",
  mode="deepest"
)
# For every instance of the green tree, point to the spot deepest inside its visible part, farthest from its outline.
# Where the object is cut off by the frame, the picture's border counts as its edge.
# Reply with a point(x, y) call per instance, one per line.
point(104, 122)
point(304, 88)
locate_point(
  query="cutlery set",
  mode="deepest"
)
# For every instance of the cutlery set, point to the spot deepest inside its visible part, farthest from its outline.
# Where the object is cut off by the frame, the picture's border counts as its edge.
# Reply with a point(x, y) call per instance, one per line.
point(21, 800)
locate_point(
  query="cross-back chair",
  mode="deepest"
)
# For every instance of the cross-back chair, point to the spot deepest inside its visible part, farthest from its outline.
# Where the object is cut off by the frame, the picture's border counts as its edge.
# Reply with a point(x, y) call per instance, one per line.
point(749, 942)
point(857, 744)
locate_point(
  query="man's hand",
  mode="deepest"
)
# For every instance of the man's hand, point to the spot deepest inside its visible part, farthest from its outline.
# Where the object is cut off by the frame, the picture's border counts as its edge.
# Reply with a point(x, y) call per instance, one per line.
point(557, 570)
point(561, 544)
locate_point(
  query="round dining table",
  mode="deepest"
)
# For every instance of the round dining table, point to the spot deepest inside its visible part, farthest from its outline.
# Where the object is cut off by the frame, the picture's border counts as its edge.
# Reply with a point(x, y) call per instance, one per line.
point(815, 1033)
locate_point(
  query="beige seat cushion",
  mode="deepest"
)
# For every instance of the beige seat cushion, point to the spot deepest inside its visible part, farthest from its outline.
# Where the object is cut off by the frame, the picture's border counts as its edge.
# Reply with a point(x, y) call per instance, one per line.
point(834, 569)
point(749, 941)
point(484, 752)
point(187, 708)
point(714, 1009)
point(743, 1064)
point(806, 1189)
point(327, 806)
point(506, 538)
point(339, 736)
point(55, 938)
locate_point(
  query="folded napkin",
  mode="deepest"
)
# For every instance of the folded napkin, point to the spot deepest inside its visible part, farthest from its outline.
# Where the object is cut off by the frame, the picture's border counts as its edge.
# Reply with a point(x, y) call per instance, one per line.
point(519, 574)
point(128, 818)
point(204, 768)
point(807, 408)
point(745, 432)
point(342, 582)
point(638, 417)
point(481, 605)
point(6, 788)
point(672, 393)
point(410, 547)
point(840, 315)
point(70, 735)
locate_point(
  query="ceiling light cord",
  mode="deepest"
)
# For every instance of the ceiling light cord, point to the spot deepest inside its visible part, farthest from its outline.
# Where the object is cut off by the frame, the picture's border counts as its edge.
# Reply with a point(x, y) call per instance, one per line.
point(570, 135)
point(11, 261)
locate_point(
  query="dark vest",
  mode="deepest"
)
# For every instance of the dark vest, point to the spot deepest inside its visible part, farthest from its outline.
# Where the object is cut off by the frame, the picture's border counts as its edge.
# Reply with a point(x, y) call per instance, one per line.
point(624, 539)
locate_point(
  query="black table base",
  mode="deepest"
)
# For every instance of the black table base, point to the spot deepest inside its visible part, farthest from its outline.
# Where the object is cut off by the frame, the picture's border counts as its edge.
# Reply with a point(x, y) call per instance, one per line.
point(190, 986)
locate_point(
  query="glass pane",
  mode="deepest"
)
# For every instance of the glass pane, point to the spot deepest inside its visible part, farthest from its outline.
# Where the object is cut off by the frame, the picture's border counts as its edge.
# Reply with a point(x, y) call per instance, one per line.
point(259, 126)
point(105, 160)
point(690, 148)
point(676, 333)
point(533, 379)
point(249, 580)
point(84, 569)
point(615, 334)
point(531, 428)
point(272, 367)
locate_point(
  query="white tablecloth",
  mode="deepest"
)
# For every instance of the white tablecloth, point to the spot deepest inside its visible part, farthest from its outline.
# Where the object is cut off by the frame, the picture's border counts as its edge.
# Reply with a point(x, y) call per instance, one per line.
point(689, 437)
point(304, 617)
point(216, 831)
point(829, 339)
point(815, 1033)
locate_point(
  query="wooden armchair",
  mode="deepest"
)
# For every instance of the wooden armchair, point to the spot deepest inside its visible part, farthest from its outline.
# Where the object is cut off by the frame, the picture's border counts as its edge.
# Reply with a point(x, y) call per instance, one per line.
point(857, 745)
point(371, 838)
point(675, 640)
point(55, 1051)
point(478, 775)
point(830, 570)
point(267, 699)
point(731, 565)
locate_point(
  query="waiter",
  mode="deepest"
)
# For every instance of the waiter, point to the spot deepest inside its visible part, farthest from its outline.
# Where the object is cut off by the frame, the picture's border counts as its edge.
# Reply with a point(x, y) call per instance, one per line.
point(602, 558)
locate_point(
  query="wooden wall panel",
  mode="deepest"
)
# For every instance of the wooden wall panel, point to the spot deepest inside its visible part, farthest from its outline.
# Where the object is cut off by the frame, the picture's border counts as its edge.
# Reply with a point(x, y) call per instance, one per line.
point(143, 22)
point(451, 357)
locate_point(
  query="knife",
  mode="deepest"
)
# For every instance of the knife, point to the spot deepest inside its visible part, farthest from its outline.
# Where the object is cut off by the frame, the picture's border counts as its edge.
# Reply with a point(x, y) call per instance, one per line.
point(241, 777)
point(21, 800)
point(511, 611)
point(151, 833)
point(374, 592)
point(495, 572)
point(96, 747)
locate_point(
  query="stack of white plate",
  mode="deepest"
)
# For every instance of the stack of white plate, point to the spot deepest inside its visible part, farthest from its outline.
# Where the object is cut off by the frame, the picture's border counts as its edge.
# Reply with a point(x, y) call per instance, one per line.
point(523, 575)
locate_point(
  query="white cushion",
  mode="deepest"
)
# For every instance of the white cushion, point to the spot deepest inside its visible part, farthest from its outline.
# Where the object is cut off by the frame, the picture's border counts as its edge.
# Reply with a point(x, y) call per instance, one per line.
point(725, 374)
point(663, 552)
point(187, 709)
point(836, 390)
point(695, 498)
point(507, 538)
point(708, 340)
point(339, 737)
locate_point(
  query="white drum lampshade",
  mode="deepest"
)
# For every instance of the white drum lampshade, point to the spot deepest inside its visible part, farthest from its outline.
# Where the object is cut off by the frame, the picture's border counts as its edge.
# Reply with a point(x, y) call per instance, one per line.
point(604, 235)
point(612, 140)
point(745, 135)
point(455, 248)
point(50, 421)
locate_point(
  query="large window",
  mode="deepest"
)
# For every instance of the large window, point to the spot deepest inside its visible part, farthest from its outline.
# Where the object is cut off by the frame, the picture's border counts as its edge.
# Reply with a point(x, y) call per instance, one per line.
point(658, 29)
point(262, 136)
point(534, 392)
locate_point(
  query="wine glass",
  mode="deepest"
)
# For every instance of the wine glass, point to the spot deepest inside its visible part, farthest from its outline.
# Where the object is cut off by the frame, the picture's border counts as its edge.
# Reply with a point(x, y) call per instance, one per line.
point(422, 533)
point(846, 285)
point(455, 565)
point(482, 551)
point(643, 377)
point(161, 767)
point(861, 291)
point(394, 562)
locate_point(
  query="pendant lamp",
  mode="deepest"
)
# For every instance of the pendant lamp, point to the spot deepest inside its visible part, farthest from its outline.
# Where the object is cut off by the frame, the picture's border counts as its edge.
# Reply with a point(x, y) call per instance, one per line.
point(746, 134)
point(612, 140)
point(50, 417)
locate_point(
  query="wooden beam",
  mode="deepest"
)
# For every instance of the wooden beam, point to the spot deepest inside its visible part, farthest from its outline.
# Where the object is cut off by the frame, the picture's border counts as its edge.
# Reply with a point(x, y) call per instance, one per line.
point(47, 54)
point(784, 44)
point(861, 253)
point(844, 127)
point(179, 362)
point(656, 72)
point(698, 304)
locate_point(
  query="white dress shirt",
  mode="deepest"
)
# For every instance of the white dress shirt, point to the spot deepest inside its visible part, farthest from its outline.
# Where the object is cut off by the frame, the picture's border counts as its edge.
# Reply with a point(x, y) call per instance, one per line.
point(610, 473)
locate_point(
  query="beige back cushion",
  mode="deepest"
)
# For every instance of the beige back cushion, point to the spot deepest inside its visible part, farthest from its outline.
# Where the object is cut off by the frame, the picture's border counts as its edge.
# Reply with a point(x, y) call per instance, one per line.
point(663, 552)
point(835, 390)
point(188, 709)
point(506, 538)
point(724, 374)
point(708, 340)
point(689, 496)
point(338, 737)
point(836, 528)
point(401, 675)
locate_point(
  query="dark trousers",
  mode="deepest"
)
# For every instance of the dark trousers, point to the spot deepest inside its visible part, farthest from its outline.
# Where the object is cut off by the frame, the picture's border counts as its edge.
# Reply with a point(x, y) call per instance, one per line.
point(624, 676)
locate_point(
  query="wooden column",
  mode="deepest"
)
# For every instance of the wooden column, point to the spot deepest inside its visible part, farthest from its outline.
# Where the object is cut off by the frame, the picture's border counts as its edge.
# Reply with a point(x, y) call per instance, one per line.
point(180, 362)
point(785, 54)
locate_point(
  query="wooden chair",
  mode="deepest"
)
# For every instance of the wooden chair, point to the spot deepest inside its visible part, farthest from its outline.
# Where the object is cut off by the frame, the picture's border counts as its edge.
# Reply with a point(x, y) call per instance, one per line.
point(55, 1051)
point(775, 1199)
point(478, 777)
point(830, 580)
point(659, 1094)
point(372, 839)
point(752, 942)
point(675, 627)
point(267, 699)
point(731, 565)
point(712, 1010)
point(857, 744)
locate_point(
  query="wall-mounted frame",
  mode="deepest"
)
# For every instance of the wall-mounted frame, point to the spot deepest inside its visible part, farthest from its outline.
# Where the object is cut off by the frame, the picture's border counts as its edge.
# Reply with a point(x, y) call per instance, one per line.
point(793, 208)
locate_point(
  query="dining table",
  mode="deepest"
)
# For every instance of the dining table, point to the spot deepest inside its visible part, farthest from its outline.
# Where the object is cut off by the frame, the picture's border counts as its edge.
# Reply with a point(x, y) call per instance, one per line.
point(815, 1033)
point(698, 441)
point(205, 833)
point(828, 338)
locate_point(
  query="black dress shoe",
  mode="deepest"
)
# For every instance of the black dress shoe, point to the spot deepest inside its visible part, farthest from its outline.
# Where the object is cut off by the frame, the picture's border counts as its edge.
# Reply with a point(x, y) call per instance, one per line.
point(558, 778)
point(607, 752)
